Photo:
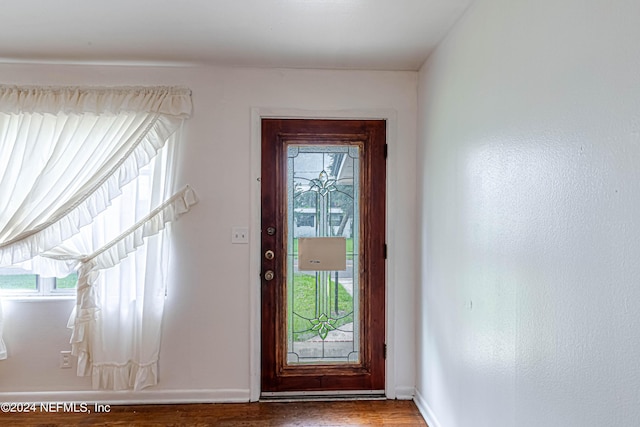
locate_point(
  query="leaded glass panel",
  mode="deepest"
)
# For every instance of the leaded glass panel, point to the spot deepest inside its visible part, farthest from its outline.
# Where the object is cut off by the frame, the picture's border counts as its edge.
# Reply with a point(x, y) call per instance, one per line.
point(323, 190)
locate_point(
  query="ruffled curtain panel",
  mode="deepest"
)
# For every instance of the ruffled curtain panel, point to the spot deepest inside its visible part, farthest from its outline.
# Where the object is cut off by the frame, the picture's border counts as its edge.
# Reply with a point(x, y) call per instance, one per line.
point(86, 181)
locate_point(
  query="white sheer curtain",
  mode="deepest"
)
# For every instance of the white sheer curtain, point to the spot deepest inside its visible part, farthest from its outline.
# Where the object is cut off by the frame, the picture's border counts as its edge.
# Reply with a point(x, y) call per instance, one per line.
point(88, 181)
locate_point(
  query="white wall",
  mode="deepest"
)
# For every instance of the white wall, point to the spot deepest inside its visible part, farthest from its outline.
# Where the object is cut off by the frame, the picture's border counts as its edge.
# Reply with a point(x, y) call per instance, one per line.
point(529, 199)
point(206, 346)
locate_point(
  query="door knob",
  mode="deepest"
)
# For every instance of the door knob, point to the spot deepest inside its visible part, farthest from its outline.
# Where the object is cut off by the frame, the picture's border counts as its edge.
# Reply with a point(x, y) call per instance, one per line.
point(268, 275)
point(269, 254)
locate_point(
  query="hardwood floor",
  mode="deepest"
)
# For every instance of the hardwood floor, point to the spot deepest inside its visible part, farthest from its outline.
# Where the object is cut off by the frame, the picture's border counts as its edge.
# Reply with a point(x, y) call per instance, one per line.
point(272, 414)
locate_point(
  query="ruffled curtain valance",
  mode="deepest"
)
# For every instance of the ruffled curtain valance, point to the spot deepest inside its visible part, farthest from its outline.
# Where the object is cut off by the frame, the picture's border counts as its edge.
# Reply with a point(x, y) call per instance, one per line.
point(62, 170)
point(172, 101)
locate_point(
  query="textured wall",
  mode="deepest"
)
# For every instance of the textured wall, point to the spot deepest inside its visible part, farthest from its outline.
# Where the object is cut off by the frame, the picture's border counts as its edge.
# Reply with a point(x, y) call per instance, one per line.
point(529, 194)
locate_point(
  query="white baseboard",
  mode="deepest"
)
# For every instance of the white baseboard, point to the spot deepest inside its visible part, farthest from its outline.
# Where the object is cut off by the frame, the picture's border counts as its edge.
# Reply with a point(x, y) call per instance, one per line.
point(425, 410)
point(405, 393)
point(148, 397)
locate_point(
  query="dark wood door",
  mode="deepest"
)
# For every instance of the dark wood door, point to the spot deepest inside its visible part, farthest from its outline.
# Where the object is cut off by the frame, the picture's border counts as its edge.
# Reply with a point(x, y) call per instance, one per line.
point(323, 255)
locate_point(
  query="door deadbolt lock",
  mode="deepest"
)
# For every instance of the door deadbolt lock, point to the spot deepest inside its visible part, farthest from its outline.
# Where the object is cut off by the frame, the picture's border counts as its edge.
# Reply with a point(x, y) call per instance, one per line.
point(268, 275)
point(269, 254)
point(271, 231)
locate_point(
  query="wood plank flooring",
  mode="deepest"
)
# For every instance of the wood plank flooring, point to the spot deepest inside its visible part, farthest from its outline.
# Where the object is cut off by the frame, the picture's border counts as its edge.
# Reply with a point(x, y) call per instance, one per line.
point(272, 414)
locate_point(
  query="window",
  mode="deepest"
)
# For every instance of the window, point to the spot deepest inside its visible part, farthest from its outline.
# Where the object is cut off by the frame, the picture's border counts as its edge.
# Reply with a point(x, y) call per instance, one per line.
point(305, 219)
point(19, 282)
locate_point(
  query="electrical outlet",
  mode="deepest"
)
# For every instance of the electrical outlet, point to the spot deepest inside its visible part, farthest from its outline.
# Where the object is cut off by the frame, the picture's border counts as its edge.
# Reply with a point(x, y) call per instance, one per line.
point(240, 235)
point(65, 359)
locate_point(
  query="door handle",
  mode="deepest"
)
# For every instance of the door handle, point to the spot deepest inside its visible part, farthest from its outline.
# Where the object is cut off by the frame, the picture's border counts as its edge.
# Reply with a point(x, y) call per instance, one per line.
point(268, 275)
point(269, 254)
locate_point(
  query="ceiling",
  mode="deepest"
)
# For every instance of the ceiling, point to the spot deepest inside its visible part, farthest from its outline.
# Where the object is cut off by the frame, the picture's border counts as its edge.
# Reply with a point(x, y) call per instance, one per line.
point(342, 34)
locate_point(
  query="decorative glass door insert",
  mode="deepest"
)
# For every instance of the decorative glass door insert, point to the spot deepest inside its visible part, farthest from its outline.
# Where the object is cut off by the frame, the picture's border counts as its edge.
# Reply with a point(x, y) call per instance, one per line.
point(323, 313)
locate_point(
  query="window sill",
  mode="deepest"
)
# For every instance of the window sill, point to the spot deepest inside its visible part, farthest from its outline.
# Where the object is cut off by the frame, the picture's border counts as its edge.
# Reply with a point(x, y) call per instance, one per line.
point(37, 298)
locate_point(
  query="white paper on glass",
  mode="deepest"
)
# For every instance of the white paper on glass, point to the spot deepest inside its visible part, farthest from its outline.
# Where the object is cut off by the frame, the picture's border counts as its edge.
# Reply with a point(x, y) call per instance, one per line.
point(322, 254)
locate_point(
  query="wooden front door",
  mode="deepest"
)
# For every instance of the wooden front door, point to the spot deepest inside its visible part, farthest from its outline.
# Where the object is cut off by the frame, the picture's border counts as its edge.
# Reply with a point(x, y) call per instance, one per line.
point(323, 255)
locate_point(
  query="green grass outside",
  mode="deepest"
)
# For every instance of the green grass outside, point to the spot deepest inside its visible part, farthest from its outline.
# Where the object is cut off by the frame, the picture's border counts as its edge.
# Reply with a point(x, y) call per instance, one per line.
point(68, 282)
point(304, 302)
point(28, 282)
point(23, 282)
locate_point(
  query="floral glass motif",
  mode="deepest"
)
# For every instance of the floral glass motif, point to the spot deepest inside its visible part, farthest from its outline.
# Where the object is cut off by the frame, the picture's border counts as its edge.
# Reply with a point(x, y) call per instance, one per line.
point(323, 325)
point(323, 184)
point(323, 201)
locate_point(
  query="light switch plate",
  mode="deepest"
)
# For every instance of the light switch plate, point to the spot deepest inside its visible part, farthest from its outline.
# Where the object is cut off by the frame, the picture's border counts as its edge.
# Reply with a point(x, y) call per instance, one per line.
point(65, 359)
point(240, 235)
